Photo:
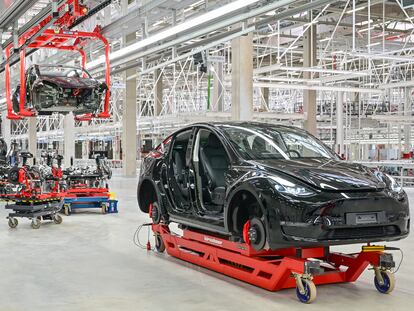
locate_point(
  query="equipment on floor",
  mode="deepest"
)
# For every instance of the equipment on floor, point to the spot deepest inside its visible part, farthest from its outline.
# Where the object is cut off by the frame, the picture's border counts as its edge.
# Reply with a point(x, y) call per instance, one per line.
point(88, 188)
point(46, 207)
point(300, 268)
point(29, 191)
point(82, 198)
point(51, 171)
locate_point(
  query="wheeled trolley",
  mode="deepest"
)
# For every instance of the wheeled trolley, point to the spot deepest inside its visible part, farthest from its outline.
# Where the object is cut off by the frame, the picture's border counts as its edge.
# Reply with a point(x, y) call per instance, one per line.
point(81, 198)
point(35, 210)
point(300, 268)
point(73, 203)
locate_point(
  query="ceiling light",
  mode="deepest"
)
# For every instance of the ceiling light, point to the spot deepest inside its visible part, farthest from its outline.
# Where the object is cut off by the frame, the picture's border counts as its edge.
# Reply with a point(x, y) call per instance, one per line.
point(356, 10)
point(366, 29)
point(373, 44)
point(365, 22)
point(204, 18)
point(326, 39)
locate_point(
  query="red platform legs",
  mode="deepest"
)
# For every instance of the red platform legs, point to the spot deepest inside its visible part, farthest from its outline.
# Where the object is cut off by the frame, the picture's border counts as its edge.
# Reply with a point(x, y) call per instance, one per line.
point(299, 268)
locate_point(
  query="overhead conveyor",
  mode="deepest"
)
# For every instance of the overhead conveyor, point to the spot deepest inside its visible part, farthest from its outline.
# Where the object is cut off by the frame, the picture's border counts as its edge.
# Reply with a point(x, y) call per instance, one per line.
point(53, 31)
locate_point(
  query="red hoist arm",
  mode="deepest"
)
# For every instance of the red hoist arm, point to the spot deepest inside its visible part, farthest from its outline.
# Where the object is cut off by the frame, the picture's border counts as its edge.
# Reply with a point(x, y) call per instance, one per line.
point(56, 39)
point(10, 114)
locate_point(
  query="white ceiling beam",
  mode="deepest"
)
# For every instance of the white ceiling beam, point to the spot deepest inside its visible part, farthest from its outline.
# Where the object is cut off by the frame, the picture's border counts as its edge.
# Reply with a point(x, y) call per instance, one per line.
point(316, 87)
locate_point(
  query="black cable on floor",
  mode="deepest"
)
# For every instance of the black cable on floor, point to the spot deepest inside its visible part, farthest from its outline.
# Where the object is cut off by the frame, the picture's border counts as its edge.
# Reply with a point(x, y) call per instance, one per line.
point(136, 238)
point(390, 248)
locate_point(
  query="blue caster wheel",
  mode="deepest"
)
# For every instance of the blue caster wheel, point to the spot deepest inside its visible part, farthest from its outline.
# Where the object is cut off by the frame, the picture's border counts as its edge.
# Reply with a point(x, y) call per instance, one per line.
point(388, 284)
point(309, 293)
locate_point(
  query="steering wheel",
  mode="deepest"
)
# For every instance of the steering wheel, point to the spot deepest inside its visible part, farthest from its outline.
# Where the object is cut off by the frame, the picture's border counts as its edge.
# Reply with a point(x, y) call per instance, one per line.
point(294, 152)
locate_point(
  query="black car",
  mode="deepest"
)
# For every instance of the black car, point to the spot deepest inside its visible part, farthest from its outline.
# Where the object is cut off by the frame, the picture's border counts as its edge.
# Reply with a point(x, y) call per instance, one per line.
point(271, 186)
point(51, 88)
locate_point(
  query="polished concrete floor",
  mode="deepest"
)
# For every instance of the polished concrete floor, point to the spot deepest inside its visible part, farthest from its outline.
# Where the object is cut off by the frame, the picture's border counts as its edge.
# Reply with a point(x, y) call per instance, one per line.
point(90, 262)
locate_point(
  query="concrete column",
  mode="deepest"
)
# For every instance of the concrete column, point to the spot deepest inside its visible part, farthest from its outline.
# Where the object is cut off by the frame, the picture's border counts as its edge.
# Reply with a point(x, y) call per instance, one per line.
point(218, 94)
point(264, 97)
point(340, 123)
point(68, 139)
point(32, 136)
point(158, 90)
point(407, 127)
point(242, 78)
point(129, 120)
point(116, 148)
point(309, 96)
point(6, 128)
point(107, 15)
point(399, 140)
point(365, 151)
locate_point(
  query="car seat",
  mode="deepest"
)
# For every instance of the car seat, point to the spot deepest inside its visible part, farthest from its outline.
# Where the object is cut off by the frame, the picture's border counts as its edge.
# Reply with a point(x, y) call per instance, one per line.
point(215, 164)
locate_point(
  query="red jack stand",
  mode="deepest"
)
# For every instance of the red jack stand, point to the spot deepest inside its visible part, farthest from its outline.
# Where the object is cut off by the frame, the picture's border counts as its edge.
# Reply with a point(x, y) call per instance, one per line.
point(299, 268)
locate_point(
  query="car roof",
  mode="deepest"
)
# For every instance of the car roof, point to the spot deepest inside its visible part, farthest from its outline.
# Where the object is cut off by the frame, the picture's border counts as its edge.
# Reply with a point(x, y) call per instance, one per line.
point(247, 124)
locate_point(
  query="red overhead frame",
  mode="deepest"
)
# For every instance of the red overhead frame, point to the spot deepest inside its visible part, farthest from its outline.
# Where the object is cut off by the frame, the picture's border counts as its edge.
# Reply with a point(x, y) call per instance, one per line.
point(56, 37)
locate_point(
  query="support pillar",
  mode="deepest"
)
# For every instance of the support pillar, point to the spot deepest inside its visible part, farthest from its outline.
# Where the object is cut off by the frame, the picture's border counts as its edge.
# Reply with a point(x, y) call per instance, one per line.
point(340, 123)
point(68, 139)
point(6, 128)
point(407, 127)
point(242, 78)
point(129, 120)
point(32, 137)
point(158, 90)
point(264, 98)
point(218, 94)
point(365, 155)
point(309, 96)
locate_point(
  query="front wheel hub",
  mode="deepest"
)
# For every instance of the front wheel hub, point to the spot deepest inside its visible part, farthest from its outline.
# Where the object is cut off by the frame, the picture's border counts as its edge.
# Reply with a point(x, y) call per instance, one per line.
point(253, 235)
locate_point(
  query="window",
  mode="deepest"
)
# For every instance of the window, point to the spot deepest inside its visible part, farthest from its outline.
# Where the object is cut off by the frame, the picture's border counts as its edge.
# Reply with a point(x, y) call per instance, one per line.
point(260, 143)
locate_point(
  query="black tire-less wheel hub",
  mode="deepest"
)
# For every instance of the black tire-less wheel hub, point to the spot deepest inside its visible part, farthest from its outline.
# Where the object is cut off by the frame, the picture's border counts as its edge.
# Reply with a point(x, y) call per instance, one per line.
point(257, 234)
point(253, 235)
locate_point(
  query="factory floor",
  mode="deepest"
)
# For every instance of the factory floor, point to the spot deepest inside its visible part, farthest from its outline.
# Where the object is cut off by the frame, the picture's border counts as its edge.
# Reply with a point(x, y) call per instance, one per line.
point(90, 262)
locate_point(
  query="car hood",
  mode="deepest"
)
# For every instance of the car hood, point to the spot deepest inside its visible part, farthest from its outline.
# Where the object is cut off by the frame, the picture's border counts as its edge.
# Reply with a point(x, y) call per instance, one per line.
point(71, 83)
point(327, 174)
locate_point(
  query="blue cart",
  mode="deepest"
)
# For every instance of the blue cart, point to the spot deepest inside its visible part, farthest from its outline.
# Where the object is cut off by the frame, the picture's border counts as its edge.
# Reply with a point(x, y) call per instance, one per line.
point(104, 203)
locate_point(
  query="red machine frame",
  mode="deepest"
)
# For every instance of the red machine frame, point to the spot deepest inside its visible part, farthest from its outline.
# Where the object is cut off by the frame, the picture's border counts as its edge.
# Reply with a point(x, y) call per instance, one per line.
point(56, 38)
point(78, 192)
point(271, 270)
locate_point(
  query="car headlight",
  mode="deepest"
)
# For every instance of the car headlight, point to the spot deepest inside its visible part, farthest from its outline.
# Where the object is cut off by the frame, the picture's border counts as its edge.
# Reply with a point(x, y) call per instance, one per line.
point(393, 185)
point(285, 186)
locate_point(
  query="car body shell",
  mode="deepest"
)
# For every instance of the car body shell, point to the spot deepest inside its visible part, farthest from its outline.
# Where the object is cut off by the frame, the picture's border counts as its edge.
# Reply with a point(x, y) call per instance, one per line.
point(48, 93)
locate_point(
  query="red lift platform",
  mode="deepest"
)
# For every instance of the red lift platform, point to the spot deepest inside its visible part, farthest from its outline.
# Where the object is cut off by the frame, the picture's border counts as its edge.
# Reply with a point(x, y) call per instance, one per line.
point(300, 268)
point(53, 32)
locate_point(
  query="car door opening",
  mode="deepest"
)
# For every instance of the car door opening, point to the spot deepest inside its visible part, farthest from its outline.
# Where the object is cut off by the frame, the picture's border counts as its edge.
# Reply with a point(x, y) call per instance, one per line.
point(211, 164)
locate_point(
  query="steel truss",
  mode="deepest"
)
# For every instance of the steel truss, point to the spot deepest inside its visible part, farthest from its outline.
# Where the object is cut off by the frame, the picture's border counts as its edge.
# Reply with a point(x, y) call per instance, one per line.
point(373, 67)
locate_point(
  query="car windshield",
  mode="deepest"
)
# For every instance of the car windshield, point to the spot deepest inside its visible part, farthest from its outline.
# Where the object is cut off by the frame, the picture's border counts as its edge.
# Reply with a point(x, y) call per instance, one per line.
point(261, 143)
point(63, 71)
